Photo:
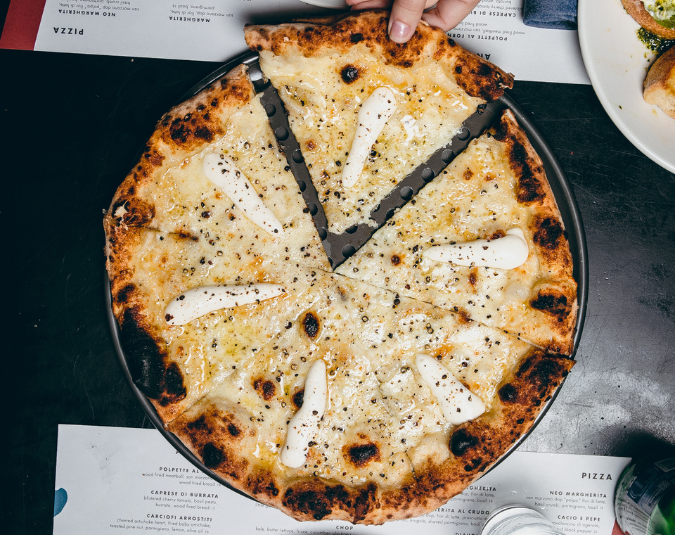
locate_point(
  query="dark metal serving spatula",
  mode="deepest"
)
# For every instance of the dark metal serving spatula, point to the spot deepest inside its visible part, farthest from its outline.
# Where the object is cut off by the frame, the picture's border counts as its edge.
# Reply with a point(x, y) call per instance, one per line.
point(339, 247)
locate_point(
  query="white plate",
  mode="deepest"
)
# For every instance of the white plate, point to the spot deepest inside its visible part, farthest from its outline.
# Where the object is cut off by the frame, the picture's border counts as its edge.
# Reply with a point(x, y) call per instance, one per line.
point(617, 62)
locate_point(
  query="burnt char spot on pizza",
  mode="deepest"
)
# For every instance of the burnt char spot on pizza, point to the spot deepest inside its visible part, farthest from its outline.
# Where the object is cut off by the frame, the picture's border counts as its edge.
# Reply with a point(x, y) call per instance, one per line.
point(262, 483)
point(174, 387)
point(508, 393)
point(468, 174)
point(365, 502)
point(125, 294)
point(188, 131)
point(153, 156)
point(215, 435)
point(298, 398)
point(147, 360)
point(473, 278)
point(462, 442)
point(549, 235)
point(314, 500)
point(552, 301)
point(212, 455)
point(462, 315)
point(356, 38)
point(395, 259)
point(310, 503)
point(530, 188)
point(265, 388)
point(479, 78)
point(233, 429)
point(497, 234)
point(361, 454)
point(350, 73)
point(132, 211)
point(199, 425)
point(310, 325)
point(541, 373)
point(548, 231)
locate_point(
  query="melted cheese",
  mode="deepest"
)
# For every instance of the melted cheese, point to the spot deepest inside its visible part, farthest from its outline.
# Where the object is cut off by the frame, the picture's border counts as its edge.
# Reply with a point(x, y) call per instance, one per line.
point(476, 196)
point(323, 112)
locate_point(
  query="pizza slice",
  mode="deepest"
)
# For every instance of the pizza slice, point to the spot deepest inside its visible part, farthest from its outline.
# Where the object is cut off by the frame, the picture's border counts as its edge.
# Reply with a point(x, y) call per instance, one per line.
point(212, 171)
point(350, 447)
point(484, 239)
point(313, 453)
point(365, 110)
point(188, 316)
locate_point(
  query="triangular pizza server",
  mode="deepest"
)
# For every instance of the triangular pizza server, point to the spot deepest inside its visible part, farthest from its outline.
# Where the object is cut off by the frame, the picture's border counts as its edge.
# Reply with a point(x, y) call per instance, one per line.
point(339, 247)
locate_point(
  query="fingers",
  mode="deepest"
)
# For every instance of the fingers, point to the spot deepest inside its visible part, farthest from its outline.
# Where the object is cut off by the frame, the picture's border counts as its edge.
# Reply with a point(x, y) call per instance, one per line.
point(405, 14)
point(368, 4)
point(449, 13)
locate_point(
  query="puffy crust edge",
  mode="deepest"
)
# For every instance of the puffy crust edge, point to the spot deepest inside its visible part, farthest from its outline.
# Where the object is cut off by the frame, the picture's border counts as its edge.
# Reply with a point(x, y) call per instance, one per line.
point(556, 294)
point(368, 30)
point(636, 9)
point(180, 133)
point(477, 445)
point(215, 436)
point(151, 369)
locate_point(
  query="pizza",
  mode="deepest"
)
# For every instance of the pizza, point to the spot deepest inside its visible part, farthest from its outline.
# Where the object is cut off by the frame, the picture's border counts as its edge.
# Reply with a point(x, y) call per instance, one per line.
point(378, 390)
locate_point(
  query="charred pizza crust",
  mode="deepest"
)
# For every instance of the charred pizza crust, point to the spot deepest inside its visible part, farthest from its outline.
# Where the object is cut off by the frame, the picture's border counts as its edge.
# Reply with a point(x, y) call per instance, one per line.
point(316, 37)
point(220, 433)
point(326, 73)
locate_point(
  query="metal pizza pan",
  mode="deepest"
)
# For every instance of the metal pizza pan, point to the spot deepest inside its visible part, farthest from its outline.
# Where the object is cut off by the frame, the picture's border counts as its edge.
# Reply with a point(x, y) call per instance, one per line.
point(340, 247)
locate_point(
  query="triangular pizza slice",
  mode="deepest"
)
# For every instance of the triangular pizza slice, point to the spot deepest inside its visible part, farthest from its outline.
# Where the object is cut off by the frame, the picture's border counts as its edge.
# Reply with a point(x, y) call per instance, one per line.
point(213, 172)
point(365, 110)
point(347, 446)
point(484, 239)
point(189, 316)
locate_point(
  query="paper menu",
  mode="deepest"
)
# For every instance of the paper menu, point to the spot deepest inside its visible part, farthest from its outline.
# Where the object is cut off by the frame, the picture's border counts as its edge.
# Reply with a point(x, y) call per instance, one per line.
point(113, 480)
point(212, 31)
point(495, 30)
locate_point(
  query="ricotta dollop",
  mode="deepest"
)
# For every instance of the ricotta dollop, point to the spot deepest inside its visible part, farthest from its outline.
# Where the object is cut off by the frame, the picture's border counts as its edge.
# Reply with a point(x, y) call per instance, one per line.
point(199, 301)
point(458, 404)
point(305, 423)
point(374, 114)
point(507, 252)
point(223, 172)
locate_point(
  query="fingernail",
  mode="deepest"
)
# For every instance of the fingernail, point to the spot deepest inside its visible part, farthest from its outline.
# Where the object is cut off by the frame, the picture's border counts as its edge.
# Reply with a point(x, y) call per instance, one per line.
point(399, 32)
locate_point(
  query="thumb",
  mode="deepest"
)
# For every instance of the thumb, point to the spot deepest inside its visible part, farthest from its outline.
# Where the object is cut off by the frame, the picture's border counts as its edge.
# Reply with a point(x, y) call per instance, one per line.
point(405, 14)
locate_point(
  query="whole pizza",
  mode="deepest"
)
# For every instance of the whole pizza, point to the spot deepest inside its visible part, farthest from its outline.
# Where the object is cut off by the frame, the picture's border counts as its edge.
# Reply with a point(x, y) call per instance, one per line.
point(380, 389)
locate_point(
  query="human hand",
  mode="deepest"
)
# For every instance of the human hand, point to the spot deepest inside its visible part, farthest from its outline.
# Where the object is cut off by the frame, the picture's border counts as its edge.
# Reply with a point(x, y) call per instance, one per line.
point(405, 14)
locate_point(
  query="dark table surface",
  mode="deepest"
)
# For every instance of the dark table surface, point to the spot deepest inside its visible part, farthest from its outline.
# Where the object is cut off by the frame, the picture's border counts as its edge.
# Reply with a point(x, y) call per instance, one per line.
point(73, 126)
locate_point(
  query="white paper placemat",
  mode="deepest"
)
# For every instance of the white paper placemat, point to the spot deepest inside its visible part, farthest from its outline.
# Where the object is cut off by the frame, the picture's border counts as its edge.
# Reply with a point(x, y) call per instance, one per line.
point(111, 480)
point(213, 32)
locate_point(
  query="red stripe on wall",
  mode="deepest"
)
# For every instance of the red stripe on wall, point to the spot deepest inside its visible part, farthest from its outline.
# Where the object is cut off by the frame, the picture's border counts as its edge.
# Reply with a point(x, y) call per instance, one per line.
point(22, 24)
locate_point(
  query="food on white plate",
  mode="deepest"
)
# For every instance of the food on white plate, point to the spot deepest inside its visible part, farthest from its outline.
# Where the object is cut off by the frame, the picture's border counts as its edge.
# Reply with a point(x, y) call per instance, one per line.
point(660, 83)
point(656, 16)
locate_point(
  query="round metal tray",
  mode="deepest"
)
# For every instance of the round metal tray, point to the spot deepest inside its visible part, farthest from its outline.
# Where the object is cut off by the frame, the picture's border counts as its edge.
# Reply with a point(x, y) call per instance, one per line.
point(569, 212)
